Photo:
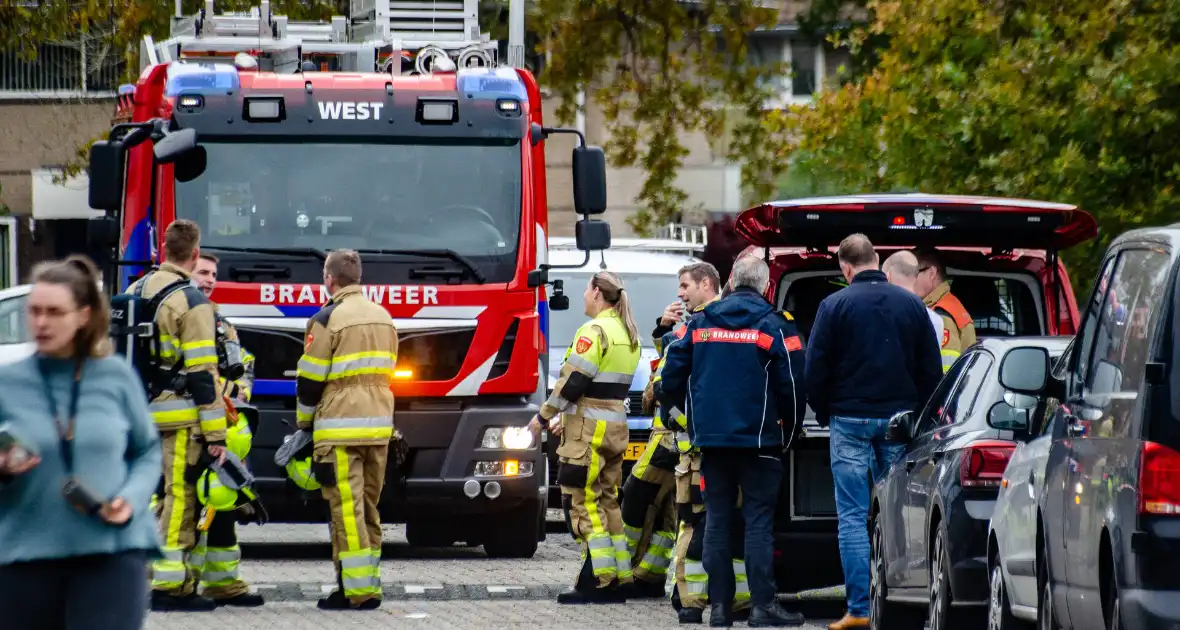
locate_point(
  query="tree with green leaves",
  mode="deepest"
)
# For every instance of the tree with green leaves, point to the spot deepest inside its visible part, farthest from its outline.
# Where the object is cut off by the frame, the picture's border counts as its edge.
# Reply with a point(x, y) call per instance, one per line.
point(1076, 102)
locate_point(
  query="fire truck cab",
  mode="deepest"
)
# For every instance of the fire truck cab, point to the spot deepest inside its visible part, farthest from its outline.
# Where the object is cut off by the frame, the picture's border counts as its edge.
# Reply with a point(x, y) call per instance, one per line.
point(284, 141)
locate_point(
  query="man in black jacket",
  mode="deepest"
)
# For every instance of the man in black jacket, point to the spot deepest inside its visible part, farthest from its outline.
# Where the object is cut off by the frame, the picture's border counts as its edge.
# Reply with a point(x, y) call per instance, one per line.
point(870, 356)
point(737, 366)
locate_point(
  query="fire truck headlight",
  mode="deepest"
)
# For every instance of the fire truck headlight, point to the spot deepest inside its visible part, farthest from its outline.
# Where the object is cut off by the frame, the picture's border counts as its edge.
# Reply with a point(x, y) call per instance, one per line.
point(512, 438)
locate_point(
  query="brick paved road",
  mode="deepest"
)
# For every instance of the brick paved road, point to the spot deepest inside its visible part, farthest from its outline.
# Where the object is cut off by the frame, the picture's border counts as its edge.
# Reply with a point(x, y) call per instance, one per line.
point(455, 587)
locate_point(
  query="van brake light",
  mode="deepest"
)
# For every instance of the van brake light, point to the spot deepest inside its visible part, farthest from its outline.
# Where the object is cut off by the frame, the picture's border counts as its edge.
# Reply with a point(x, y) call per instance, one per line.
point(1159, 480)
point(984, 462)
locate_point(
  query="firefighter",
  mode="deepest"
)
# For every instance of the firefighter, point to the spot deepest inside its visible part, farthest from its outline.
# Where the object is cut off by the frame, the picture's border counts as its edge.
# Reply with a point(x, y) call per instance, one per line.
point(190, 420)
point(344, 398)
point(649, 513)
point(217, 554)
point(958, 328)
point(586, 411)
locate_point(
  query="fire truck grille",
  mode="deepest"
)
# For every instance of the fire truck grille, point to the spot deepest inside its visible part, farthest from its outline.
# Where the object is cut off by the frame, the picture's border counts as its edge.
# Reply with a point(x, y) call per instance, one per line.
point(433, 356)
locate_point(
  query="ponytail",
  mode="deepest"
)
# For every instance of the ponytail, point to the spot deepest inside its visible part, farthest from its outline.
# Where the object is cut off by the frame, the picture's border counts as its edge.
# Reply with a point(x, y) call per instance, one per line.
point(78, 274)
point(611, 287)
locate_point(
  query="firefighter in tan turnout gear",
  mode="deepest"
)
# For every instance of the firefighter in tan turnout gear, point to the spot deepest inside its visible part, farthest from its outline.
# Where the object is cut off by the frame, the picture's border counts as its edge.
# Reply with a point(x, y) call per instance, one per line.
point(345, 400)
point(586, 412)
point(190, 420)
point(958, 327)
point(649, 512)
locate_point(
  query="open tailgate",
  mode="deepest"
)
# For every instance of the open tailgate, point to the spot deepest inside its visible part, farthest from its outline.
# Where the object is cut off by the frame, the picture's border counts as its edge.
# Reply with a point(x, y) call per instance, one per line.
point(916, 220)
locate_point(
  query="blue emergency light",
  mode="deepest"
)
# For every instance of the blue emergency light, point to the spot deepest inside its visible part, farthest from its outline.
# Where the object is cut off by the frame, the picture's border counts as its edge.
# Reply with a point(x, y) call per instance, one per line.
point(200, 78)
point(490, 84)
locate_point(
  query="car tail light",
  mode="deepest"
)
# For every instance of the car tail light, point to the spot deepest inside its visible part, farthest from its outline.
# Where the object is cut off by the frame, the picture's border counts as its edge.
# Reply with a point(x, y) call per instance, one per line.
point(1159, 480)
point(984, 463)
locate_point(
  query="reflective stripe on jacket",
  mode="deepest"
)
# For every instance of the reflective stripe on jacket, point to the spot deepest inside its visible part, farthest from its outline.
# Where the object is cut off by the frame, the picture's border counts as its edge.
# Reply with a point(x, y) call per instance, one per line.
point(343, 379)
point(597, 372)
point(186, 326)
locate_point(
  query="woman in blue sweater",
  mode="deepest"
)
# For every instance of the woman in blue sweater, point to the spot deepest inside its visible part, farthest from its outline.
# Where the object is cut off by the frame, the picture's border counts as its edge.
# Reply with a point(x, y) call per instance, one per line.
point(76, 532)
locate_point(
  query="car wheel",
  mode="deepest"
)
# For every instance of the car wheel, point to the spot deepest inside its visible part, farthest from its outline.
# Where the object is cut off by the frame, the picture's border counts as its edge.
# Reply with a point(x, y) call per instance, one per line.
point(1046, 616)
point(514, 534)
point(1114, 619)
point(999, 609)
point(883, 614)
point(940, 615)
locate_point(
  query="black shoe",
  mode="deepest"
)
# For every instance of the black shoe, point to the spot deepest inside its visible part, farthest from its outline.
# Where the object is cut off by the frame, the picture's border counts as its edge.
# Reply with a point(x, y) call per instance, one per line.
point(720, 616)
point(609, 595)
point(337, 601)
point(646, 590)
point(691, 615)
point(741, 615)
point(773, 616)
point(163, 602)
point(245, 600)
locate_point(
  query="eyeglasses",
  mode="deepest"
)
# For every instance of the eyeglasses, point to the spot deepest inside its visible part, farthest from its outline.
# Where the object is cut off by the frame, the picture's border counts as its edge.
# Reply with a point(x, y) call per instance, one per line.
point(923, 269)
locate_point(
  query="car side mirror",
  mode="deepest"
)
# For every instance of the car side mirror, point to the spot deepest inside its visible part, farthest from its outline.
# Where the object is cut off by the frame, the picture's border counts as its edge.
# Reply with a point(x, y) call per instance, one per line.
point(172, 146)
point(592, 235)
point(901, 428)
point(1025, 370)
point(106, 175)
point(1013, 413)
point(589, 180)
point(102, 233)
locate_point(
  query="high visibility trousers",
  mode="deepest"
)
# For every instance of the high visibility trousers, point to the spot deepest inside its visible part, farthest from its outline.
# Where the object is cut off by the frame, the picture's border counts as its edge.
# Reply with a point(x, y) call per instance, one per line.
point(177, 513)
point(692, 583)
point(648, 510)
point(216, 559)
point(591, 456)
point(352, 478)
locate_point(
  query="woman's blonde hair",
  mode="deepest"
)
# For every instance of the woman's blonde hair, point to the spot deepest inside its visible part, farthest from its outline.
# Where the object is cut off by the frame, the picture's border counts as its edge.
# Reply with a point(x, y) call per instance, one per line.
point(611, 286)
point(79, 275)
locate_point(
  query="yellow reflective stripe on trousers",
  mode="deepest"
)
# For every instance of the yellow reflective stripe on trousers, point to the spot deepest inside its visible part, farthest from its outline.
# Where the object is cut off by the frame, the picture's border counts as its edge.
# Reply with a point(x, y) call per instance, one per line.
point(168, 350)
point(695, 577)
point(633, 535)
point(592, 473)
point(174, 411)
point(312, 368)
point(199, 353)
point(220, 567)
point(169, 571)
point(741, 591)
point(949, 357)
point(622, 557)
point(602, 554)
point(359, 363)
point(370, 428)
point(357, 574)
point(659, 553)
point(640, 467)
point(211, 419)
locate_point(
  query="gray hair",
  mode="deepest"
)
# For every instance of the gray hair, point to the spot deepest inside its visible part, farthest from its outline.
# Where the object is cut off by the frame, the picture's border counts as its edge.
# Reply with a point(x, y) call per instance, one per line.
point(903, 264)
point(751, 272)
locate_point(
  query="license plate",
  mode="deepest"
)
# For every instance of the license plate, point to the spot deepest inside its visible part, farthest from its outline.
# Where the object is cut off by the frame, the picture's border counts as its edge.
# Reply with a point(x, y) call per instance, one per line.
point(634, 450)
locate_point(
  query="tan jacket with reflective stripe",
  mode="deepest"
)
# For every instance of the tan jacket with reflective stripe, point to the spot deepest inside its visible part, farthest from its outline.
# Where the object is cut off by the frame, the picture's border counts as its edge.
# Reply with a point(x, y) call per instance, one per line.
point(597, 373)
point(185, 322)
point(343, 385)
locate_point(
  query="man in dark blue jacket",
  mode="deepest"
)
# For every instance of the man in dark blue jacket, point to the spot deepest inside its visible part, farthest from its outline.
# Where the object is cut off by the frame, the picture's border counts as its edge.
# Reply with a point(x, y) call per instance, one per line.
point(737, 366)
point(870, 355)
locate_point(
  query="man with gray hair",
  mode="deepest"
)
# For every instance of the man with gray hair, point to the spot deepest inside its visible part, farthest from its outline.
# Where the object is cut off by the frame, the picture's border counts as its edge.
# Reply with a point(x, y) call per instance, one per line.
point(901, 269)
point(738, 363)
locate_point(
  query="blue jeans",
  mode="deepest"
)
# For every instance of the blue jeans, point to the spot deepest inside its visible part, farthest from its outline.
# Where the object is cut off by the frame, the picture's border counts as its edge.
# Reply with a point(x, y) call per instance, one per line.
point(859, 453)
point(759, 476)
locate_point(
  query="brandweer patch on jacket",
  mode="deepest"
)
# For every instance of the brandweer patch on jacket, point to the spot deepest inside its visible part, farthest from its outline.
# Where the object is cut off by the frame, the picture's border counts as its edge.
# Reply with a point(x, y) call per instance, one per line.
point(739, 366)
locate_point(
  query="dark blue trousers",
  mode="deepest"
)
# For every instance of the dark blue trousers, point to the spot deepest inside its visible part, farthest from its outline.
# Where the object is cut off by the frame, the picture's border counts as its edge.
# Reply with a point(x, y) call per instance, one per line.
point(758, 476)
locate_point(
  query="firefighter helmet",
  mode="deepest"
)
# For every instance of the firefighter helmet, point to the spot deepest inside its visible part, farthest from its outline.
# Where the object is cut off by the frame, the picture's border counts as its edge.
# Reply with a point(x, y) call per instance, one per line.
point(300, 471)
point(214, 494)
point(238, 438)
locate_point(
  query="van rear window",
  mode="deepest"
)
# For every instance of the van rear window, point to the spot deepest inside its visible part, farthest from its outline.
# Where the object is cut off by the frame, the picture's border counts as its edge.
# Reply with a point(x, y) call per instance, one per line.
point(1001, 305)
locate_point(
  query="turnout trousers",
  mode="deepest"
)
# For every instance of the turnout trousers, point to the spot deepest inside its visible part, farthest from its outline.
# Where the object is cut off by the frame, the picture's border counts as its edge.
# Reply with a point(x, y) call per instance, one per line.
point(692, 583)
point(216, 559)
point(591, 457)
point(649, 513)
point(173, 574)
point(352, 478)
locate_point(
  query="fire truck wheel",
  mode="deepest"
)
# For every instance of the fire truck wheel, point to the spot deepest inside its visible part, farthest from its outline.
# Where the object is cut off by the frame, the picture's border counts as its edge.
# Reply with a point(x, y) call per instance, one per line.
point(515, 533)
point(428, 534)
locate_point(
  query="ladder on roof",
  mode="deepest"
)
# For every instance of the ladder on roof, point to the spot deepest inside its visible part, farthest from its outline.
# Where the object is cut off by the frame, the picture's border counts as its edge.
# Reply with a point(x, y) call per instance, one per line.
point(374, 35)
point(684, 233)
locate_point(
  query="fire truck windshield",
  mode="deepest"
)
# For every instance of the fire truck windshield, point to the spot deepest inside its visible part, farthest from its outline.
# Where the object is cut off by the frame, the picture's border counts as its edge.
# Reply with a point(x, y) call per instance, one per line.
point(434, 195)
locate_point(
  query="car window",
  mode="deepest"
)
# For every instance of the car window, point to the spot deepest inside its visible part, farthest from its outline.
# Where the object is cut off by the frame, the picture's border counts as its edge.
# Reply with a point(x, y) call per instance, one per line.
point(1080, 359)
point(13, 324)
point(937, 403)
point(962, 401)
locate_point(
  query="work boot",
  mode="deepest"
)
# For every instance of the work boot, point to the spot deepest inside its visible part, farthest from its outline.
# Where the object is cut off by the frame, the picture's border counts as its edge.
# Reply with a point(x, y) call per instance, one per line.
point(646, 590)
point(163, 602)
point(608, 595)
point(773, 615)
point(720, 616)
point(245, 600)
point(849, 622)
point(741, 615)
point(337, 601)
point(691, 615)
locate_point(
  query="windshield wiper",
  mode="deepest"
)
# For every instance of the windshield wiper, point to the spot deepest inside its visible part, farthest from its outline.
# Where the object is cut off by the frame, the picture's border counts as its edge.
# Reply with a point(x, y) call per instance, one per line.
point(431, 253)
point(276, 251)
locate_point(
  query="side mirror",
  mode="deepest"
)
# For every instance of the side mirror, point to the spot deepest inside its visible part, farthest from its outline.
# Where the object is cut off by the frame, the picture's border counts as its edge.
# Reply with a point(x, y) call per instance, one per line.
point(537, 277)
point(1025, 370)
point(102, 233)
point(901, 428)
point(559, 303)
point(190, 165)
point(536, 134)
point(106, 175)
point(589, 180)
point(172, 146)
point(592, 235)
point(1013, 413)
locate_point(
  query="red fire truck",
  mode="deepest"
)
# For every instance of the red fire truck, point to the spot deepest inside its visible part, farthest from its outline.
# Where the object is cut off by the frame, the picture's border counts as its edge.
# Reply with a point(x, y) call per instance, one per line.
point(284, 141)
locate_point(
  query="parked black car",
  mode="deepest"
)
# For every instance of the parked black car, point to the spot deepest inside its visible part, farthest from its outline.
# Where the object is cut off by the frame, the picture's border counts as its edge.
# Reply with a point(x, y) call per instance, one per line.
point(1106, 532)
point(930, 511)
